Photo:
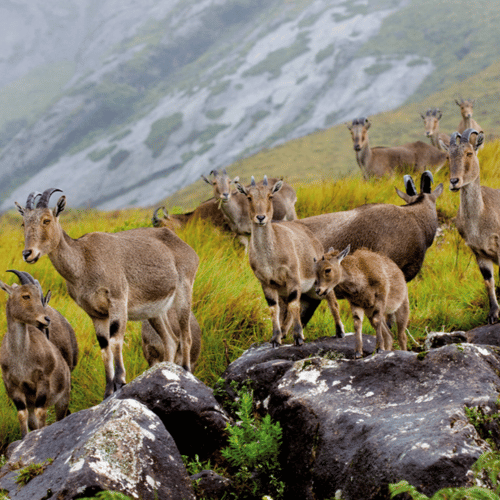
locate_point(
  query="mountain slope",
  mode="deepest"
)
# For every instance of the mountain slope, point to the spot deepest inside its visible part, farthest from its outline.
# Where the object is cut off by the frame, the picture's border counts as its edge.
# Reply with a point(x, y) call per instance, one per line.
point(163, 92)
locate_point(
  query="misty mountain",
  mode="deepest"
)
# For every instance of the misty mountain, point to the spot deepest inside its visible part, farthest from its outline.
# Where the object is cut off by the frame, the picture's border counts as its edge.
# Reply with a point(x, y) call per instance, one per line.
point(122, 103)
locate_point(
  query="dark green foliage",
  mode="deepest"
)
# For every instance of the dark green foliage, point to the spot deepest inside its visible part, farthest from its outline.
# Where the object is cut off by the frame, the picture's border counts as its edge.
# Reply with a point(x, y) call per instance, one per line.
point(99, 154)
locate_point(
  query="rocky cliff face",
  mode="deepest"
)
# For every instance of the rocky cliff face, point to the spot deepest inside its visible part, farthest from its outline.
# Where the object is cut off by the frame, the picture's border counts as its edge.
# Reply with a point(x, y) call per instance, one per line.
point(166, 91)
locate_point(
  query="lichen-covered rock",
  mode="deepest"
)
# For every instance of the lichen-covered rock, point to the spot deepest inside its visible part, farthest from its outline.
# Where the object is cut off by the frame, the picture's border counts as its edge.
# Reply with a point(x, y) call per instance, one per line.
point(118, 445)
point(185, 405)
point(356, 426)
point(264, 364)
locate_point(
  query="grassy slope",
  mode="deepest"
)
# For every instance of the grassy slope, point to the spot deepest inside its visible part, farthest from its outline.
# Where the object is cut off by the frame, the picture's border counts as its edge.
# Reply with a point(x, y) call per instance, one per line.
point(228, 301)
point(328, 153)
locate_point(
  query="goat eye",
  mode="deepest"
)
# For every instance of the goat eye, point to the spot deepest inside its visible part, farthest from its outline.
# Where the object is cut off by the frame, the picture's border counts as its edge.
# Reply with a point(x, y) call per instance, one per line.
point(328, 271)
point(26, 297)
point(46, 221)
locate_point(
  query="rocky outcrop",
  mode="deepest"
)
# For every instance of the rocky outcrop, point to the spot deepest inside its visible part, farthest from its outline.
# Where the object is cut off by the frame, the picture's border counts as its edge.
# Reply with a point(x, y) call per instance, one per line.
point(118, 445)
point(186, 407)
point(355, 426)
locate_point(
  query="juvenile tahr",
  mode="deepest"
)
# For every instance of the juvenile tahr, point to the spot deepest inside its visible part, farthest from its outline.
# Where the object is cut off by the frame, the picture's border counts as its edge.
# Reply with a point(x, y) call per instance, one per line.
point(373, 285)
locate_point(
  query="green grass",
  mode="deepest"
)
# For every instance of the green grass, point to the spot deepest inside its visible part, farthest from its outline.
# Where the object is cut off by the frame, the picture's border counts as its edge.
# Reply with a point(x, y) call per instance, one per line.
point(228, 302)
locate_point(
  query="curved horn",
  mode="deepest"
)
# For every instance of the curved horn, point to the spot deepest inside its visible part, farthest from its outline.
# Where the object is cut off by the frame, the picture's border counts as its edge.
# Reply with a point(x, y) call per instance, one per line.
point(43, 202)
point(453, 138)
point(467, 133)
point(214, 172)
point(252, 181)
point(410, 188)
point(155, 219)
point(31, 199)
point(426, 181)
point(24, 277)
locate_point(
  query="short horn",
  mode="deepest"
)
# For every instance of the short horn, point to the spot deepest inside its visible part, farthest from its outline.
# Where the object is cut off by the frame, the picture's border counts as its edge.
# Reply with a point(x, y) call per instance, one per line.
point(43, 202)
point(264, 182)
point(252, 181)
point(214, 172)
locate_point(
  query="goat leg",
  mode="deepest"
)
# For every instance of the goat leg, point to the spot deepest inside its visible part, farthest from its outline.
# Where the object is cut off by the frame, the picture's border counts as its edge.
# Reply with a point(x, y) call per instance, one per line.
point(358, 315)
point(272, 300)
point(334, 309)
point(486, 268)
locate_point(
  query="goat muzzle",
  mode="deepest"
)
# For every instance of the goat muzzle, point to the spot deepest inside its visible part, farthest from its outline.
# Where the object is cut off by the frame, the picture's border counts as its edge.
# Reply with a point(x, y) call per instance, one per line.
point(454, 184)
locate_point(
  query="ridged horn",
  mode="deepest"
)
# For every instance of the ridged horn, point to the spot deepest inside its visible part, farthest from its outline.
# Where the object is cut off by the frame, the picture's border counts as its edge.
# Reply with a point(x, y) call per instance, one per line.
point(453, 138)
point(155, 219)
point(24, 277)
point(43, 202)
point(467, 133)
point(31, 199)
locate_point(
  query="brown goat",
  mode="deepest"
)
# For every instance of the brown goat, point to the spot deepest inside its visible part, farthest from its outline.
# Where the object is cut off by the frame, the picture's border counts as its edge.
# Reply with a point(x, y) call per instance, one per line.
point(282, 257)
point(37, 354)
point(466, 109)
point(402, 233)
point(234, 204)
point(136, 275)
point(380, 161)
point(478, 217)
point(373, 284)
point(208, 210)
point(431, 125)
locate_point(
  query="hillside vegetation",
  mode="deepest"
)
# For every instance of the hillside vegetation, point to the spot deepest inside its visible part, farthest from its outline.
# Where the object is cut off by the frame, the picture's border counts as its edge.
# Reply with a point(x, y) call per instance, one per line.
point(448, 294)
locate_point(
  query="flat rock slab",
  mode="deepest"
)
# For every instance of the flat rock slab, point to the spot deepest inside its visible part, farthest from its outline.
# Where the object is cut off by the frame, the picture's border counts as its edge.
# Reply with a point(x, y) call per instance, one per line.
point(118, 445)
point(358, 425)
point(186, 406)
point(485, 335)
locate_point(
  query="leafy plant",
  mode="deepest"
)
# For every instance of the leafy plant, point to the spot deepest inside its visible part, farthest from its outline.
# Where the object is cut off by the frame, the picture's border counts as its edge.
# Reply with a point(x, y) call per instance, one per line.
point(109, 495)
point(26, 474)
point(253, 451)
point(488, 465)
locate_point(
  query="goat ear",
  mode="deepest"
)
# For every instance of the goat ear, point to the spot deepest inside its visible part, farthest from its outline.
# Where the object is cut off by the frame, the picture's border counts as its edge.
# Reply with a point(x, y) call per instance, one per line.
point(342, 255)
point(277, 187)
point(236, 179)
point(241, 189)
point(315, 260)
point(457, 102)
point(479, 140)
point(60, 205)
point(5, 287)
point(20, 209)
point(349, 126)
point(438, 191)
point(367, 124)
point(47, 297)
point(403, 196)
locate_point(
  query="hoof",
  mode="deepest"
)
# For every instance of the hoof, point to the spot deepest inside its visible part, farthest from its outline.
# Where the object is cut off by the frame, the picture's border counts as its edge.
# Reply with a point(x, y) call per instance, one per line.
point(118, 385)
point(340, 335)
point(378, 350)
point(299, 341)
point(358, 355)
point(186, 368)
point(275, 344)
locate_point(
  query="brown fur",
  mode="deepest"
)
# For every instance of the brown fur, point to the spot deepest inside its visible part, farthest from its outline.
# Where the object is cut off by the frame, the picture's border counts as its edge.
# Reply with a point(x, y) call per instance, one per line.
point(381, 161)
point(466, 109)
point(281, 256)
point(136, 274)
point(431, 126)
point(373, 284)
point(36, 370)
point(478, 217)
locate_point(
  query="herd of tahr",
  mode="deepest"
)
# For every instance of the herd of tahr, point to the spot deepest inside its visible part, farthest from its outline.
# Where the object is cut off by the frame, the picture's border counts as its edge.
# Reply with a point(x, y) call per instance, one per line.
point(365, 255)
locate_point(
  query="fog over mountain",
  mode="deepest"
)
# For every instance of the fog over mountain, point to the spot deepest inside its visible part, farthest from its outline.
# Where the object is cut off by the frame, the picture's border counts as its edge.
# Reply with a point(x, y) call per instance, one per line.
point(160, 91)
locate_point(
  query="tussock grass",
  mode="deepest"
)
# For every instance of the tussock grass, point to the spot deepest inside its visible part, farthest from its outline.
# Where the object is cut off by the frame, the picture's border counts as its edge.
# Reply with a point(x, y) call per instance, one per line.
point(448, 294)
